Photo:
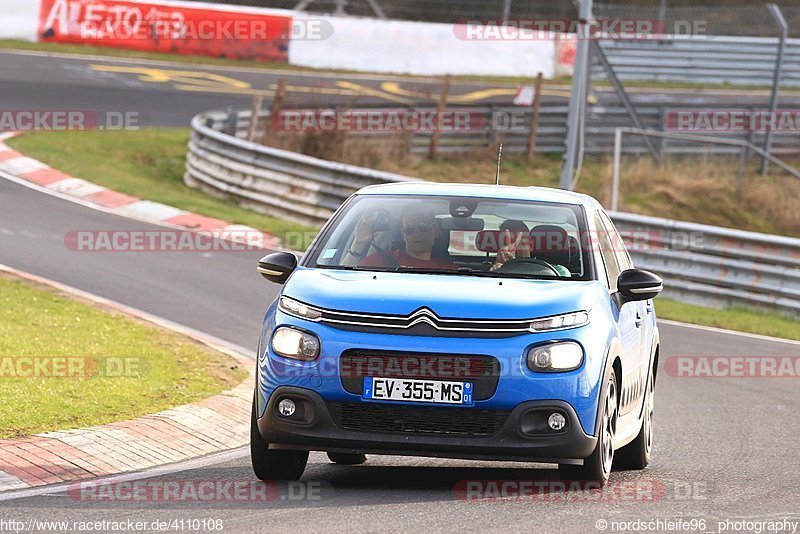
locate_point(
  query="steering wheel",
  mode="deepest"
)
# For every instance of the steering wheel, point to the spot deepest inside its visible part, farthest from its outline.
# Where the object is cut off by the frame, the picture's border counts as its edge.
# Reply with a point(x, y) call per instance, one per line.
point(512, 265)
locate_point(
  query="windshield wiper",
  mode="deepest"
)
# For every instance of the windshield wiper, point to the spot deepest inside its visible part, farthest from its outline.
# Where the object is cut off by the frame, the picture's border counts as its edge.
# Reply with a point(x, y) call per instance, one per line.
point(461, 271)
point(423, 270)
point(469, 271)
point(352, 268)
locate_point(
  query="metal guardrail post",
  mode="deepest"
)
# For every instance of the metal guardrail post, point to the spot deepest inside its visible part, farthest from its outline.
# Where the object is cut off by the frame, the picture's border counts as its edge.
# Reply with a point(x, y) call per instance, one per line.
point(275, 113)
point(232, 121)
point(506, 10)
point(437, 132)
point(775, 11)
point(533, 128)
point(255, 111)
point(615, 174)
point(577, 102)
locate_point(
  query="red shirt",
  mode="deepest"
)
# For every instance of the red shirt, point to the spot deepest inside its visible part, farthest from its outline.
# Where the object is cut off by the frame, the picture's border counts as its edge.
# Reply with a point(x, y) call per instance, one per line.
point(404, 260)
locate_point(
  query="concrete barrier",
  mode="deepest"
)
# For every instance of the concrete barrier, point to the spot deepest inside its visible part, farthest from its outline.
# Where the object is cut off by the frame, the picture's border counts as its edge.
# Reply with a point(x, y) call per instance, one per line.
point(403, 47)
point(19, 20)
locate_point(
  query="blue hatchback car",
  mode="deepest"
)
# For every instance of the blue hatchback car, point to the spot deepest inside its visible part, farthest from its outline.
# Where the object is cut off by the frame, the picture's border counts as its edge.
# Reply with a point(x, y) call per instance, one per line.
point(459, 321)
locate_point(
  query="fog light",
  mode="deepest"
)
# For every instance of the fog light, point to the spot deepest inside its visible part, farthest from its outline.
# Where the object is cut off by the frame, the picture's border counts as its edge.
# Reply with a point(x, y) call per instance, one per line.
point(556, 421)
point(286, 407)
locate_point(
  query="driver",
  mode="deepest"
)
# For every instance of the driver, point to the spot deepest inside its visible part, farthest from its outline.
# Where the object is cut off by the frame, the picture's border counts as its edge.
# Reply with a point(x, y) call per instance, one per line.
point(418, 229)
point(515, 240)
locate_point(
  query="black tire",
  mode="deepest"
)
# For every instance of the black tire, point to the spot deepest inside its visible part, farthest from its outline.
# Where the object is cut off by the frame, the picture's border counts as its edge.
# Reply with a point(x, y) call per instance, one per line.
point(347, 458)
point(636, 454)
point(597, 467)
point(273, 464)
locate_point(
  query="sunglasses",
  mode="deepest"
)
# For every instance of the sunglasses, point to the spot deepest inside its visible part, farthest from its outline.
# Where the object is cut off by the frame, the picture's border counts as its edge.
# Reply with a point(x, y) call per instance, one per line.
point(422, 228)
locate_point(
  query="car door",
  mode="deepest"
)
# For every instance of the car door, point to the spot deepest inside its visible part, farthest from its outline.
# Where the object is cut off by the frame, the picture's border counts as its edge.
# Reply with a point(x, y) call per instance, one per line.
point(630, 321)
point(645, 315)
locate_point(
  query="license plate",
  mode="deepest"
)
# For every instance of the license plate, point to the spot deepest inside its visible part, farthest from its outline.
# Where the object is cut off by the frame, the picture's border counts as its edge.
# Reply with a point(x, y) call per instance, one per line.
point(407, 390)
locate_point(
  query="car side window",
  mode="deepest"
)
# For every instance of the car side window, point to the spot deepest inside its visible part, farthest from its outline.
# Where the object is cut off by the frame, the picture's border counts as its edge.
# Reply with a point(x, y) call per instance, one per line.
point(618, 245)
point(607, 251)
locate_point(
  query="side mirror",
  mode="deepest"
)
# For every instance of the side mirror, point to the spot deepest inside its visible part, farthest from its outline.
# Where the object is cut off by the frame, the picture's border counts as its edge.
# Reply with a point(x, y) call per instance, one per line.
point(638, 284)
point(277, 267)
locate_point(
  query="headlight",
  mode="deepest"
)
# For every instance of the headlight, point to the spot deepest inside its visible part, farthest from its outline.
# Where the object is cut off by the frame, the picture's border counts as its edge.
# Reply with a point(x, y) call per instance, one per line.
point(560, 322)
point(555, 357)
point(298, 309)
point(295, 344)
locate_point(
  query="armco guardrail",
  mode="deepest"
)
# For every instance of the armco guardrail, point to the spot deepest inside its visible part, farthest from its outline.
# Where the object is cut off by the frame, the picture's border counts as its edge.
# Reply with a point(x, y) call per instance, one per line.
point(701, 264)
point(602, 121)
point(715, 266)
point(703, 59)
point(269, 180)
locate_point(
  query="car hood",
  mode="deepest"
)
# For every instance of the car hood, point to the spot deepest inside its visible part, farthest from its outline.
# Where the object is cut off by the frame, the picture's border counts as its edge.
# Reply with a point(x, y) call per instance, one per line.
point(448, 296)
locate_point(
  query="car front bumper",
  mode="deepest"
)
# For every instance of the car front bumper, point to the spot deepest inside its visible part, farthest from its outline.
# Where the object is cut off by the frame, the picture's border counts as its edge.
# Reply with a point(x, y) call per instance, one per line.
point(518, 435)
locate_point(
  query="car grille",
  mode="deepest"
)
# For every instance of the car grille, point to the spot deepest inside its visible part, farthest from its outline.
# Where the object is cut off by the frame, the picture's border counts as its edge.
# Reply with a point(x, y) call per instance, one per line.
point(367, 417)
point(482, 371)
point(424, 322)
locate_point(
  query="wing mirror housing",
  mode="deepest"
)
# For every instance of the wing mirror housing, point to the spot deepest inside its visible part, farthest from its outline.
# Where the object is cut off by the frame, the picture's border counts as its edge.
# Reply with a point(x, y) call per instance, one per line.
point(277, 266)
point(638, 284)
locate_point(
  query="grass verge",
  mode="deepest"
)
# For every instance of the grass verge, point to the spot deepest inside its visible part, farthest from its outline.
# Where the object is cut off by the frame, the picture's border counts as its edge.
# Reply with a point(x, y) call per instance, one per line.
point(741, 319)
point(148, 164)
point(120, 367)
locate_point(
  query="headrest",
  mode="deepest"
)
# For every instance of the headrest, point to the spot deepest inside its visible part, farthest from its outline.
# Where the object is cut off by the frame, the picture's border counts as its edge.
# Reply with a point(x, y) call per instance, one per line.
point(543, 238)
point(488, 240)
point(573, 244)
point(492, 240)
point(549, 238)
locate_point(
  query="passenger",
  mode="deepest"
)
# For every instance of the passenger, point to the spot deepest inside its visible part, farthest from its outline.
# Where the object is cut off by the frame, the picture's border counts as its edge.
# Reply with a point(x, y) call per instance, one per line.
point(418, 229)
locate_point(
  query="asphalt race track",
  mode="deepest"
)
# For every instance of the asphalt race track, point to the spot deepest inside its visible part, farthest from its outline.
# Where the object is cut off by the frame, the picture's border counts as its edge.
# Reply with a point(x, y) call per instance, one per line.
point(725, 449)
point(170, 94)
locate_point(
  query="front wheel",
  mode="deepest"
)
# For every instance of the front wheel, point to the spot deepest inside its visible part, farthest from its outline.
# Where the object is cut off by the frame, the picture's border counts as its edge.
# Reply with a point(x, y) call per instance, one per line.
point(273, 464)
point(597, 467)
point(636, 455)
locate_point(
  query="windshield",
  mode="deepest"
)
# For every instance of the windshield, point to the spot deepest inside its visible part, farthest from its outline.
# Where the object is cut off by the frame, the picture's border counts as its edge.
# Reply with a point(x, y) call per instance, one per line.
point(456, 236)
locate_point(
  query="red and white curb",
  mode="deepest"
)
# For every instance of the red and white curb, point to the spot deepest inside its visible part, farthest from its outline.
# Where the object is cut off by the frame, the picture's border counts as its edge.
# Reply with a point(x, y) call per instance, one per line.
point(36, 172)
point(219, 423)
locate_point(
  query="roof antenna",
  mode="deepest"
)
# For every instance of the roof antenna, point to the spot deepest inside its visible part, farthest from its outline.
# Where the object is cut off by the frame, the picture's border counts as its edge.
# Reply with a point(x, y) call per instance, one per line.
point(499, 157)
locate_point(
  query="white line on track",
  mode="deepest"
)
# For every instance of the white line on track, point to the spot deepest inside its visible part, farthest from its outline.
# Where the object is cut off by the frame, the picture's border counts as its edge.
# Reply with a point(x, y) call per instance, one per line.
point(729, 332)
